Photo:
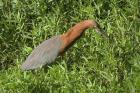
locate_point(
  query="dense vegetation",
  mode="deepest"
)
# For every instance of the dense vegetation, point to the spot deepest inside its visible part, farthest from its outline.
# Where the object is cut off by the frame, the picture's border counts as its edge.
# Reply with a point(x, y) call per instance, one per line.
point(93, 65)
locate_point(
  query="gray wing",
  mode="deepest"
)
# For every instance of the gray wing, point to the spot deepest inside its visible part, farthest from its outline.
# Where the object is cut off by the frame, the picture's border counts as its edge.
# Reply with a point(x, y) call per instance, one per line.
point(45, 53)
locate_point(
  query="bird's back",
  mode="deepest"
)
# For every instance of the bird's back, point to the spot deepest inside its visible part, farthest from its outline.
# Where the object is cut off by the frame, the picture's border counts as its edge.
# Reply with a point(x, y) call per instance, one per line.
point(45, 53)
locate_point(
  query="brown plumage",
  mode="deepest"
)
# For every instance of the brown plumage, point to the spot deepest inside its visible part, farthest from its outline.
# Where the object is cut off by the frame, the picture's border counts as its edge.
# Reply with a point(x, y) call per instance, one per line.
point(48, 50)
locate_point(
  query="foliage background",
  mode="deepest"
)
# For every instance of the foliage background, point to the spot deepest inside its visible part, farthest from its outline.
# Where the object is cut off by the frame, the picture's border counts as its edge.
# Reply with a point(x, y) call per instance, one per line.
point(93, 64)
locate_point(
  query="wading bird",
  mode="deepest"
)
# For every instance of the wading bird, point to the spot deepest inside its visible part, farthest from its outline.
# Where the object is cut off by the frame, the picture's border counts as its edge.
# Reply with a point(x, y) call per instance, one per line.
point(48, 50)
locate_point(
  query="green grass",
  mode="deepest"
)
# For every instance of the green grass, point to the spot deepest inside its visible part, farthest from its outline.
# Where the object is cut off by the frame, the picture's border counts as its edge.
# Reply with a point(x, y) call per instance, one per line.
point(93, 65)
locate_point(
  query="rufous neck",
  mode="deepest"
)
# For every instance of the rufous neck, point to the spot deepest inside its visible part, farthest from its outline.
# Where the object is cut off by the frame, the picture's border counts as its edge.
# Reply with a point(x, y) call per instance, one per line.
point(75, 32)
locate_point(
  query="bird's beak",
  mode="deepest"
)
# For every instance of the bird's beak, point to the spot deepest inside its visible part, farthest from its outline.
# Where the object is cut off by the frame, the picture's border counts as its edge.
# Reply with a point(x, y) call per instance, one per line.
point(102, 32)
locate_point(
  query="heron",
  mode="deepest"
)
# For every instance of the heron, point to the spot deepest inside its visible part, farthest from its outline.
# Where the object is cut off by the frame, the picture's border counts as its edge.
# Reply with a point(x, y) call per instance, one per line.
point(48, 50)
